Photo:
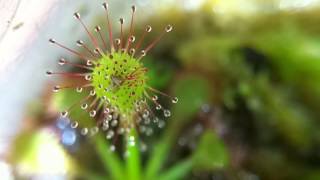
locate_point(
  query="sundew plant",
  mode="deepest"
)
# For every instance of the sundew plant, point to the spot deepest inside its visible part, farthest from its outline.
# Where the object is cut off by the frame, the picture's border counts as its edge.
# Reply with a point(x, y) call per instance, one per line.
point(119, 94)
point(119, 99)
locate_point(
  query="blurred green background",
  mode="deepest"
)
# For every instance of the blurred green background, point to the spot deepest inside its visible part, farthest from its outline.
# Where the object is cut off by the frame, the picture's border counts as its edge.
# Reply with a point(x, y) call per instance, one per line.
point(247, 75)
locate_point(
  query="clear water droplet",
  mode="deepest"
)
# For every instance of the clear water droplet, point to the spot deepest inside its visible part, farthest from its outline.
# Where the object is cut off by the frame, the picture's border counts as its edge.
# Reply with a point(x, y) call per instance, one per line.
point(117, 41)
point(76, 15)
point(84, 106)
point(49, 73)
point(148, 28)
point(88, 77)
point(79, 43)
point(167, 113)
point(92, 92)
point(89, 63)
point(94, 130)
point(64, 114)
point(143, 53)
point(146, 114)
point(106, 110)
point(74, 124)
point(132, 51)
point(156, 120)
point(112, 148)
point(143, 147)
point(114, 123)
point(62, 122)
point(109, 117)
point(120, 130)
point(161, 124)
point(142, 129)
point(149, 131)
point(132, 38)
point(105, 127)
point(158, 107)
point(169, 28)
point(56, 88)
point(84, 131)
point(79, 89)
point(155, 97)
point(147, 121)
point(133, 8)
point(131, 141)
point(110, 134)
point(62, 61)
point(175, 100)
point(92, 113)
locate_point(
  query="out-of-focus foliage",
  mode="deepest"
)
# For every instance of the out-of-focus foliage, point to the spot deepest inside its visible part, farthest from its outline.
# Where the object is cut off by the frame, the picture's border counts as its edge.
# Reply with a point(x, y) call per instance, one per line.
point(247, 76)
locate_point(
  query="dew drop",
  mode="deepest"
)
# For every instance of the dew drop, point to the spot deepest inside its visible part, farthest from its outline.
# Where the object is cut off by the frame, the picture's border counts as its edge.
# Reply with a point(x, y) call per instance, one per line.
point(158, 107)
point(64, 113)
point(117, 41)
point(168, 28)
point(109, 117)
point(131, 141)
point(132, 38)
point(89, 63)
point(84, 106)
point(105, 5)
point(92, 92)
point(62, 61)
point(52, 40)
point(156, 120)
point(84, 131)
point(74, 124)
point(143, 147)
point(142, 129)
point(94, 130)
point(79, 89)
point(92, 113)
point(97, 28)
point(161, 124)
point(148, 28)
point(56, 88)
point(49, 73)
point(143, 53)
point(120, 130)
point(110, 134)
point(149, 131)
point(166, 113)
point(132, 51)
point(105, 126)
point(106, 110)
point(112, 148)
point(133, 8)
point(155, 97)
point(114, 123)
point(175, 100)
point(76, 15)
point(88, 77)
point(147, 121)
point(146, 114)
point(79, 43)
point(121, 20)
point(96, 50)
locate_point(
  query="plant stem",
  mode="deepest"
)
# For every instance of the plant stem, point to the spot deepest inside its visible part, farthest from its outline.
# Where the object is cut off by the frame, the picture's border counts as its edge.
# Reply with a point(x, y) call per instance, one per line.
point(133, 156)
point(110, 160)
